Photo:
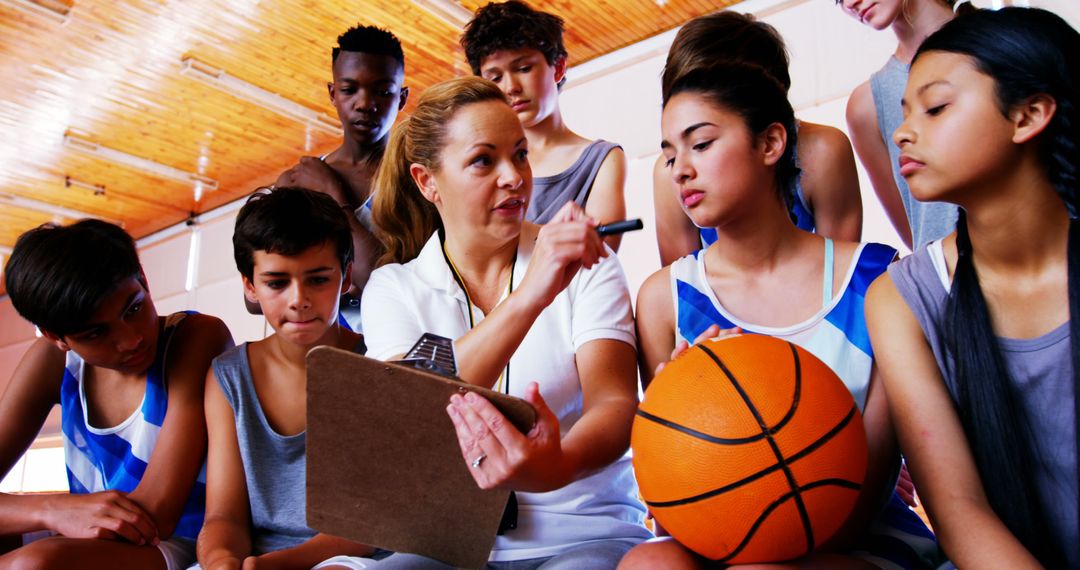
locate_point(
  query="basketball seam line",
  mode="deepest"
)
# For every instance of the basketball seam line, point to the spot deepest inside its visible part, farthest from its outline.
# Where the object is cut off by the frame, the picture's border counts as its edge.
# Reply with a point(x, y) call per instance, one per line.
point(781, 500)
point(825, 438)
point(700, 435)
point(739, 440)
point(799, 503)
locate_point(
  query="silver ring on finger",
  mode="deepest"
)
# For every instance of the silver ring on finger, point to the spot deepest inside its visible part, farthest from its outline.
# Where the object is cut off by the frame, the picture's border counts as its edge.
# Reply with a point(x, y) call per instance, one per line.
point(479, 459)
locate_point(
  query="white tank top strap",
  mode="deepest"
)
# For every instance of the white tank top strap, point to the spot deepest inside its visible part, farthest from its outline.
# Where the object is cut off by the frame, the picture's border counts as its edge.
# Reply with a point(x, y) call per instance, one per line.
point(826, 285)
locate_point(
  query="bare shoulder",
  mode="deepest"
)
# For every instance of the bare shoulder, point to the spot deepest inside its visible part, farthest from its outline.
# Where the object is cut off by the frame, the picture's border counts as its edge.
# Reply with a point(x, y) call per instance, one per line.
point(654, 296)
point(884, 302)
point(822, 142)
point(860, 105)
point(198, 329)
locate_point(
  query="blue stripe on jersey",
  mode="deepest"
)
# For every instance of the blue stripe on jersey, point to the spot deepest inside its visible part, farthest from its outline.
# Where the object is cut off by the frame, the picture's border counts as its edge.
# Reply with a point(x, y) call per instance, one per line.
point(344, 323)
point(849, 315)
point(696, 312)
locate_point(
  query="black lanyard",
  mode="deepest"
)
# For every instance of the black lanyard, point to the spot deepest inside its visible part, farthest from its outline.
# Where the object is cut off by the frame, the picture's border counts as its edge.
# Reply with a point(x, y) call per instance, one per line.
point(469, 307)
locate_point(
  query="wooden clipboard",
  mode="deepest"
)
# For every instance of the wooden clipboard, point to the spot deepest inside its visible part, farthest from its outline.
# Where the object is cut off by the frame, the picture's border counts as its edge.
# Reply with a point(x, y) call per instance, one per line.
point(383, 462)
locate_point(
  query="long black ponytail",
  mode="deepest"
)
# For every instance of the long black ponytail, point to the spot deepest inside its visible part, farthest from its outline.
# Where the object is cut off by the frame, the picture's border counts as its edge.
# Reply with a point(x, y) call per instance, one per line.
point(1026, 52)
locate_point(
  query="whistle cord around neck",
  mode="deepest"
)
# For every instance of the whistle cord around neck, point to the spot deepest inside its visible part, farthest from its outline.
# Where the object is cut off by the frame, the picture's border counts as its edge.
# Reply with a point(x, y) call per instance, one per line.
point(500, 384)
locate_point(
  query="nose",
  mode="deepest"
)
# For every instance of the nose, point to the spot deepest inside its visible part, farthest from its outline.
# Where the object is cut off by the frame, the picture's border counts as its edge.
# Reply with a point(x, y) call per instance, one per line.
point(364, 101)
point(851, 5)
point(128, 338)
point(511, 176)
point(681, 169)
point(510, 84)
point(299, 299)
point(904, 134)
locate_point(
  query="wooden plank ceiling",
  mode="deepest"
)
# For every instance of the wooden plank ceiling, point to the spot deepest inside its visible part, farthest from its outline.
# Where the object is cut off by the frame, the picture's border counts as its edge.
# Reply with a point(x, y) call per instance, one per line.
point(110, 75)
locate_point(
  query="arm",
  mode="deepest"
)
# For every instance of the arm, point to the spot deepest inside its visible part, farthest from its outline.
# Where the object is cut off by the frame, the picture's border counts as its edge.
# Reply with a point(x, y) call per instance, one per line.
point(33, 390)
point(866, 137)
point(31, 394)
point(607, 200)
point(830, 182)
point(564, 246)
point(676, 235)
point(225, 539)
point(181, 446)
point(655, 324)
point(320, 547)
point(933, 440)
point(883, 463)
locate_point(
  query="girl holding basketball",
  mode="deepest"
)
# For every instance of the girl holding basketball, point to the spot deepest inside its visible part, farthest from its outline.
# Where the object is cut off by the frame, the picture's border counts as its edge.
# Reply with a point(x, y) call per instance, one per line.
point(977, 346)
point(728, 135)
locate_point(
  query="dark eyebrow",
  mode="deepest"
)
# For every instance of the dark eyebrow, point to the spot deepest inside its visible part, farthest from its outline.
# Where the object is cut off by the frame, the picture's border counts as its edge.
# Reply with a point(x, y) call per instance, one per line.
point(286, 273)
point(690, 130)
point(91, 326)
point(922, 89)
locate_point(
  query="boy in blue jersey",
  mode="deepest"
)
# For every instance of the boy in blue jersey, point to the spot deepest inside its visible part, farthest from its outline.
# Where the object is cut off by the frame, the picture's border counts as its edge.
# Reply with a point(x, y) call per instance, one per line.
point(294, 249)
point(130, 387)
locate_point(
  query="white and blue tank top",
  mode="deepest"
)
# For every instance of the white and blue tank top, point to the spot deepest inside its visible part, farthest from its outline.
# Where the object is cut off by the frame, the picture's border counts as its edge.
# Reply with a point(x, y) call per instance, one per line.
point(115, 458)
point(836, 334)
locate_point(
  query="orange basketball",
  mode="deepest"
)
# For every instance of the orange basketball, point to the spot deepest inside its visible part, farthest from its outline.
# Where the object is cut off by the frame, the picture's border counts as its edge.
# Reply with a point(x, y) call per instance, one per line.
point(749, 449)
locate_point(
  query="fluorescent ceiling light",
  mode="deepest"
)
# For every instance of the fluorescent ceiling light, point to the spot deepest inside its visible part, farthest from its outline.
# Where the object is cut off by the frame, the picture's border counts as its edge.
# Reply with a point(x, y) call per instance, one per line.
point(448, 11)
point(220, 79)
point(97, 189)
point(51, 209)
point(137, 162)
point(55, 11)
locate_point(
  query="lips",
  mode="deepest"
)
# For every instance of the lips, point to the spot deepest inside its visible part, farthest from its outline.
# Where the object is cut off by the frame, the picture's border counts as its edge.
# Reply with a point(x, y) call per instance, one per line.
point(909, 165)
point(510, 204)
point(519, 105)
point(690, 198)
point(140, 359)
point(365, 125)
point(864, 13)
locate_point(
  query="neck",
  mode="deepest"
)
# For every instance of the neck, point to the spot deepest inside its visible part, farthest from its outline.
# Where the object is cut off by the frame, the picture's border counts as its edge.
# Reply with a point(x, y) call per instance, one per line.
point(481, 263)
point(296, 354)
point(1020, 228)
point(356, 152)
point(549, 132)
point(753, 243)
point(919, 19)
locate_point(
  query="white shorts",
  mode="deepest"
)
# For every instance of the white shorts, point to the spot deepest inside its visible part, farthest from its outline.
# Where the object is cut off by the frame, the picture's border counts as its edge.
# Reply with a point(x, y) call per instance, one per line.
point(350, 562)
point(179, 553)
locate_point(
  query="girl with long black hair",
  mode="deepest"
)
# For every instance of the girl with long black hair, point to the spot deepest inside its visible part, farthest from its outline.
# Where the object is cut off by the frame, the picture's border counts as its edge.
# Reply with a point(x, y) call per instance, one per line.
point(973, 332)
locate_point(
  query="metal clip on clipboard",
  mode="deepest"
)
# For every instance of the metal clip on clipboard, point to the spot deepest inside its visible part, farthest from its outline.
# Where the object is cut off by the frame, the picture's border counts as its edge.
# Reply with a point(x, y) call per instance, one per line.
point(432, 353)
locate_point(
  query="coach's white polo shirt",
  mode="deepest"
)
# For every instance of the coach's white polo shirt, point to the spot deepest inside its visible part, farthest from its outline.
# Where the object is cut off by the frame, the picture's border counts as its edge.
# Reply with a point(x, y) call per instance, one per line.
point(401, 302)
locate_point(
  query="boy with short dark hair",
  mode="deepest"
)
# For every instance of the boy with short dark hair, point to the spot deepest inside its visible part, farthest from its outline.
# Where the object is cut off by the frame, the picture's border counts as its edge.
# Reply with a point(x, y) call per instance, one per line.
point(367, 90)
point(521, 50)
point(294, 250)
point(130, 387)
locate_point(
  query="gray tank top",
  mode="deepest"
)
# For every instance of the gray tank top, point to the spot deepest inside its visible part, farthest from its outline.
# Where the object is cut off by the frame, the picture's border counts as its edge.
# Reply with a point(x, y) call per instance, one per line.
point(929, 220)
point(274, 465)
point(551, 193)
point(1041, 370)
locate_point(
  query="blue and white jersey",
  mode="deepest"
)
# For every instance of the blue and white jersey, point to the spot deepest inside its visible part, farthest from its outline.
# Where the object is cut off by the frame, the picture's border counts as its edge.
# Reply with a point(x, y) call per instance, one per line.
point(115, 458)
point(836, 334)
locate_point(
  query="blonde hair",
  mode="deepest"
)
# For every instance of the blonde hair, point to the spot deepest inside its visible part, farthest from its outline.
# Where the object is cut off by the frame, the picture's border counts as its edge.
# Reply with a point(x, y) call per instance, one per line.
point(405, 218)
